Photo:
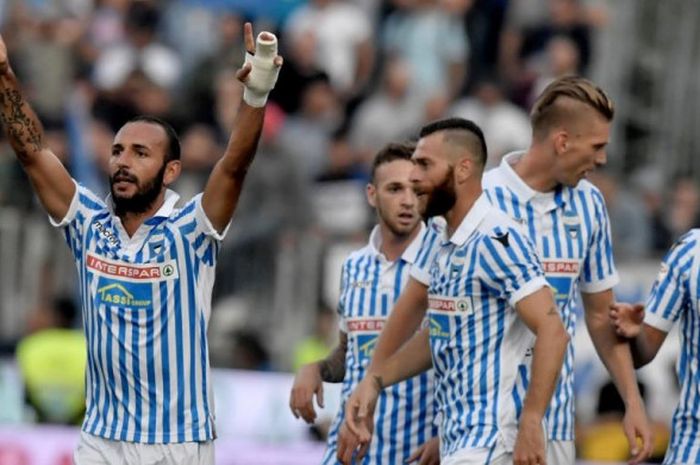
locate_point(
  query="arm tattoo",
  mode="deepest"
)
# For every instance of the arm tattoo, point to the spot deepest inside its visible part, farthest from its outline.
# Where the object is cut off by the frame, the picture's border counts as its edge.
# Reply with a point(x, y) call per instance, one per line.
point(21, 124)
point(332, 368)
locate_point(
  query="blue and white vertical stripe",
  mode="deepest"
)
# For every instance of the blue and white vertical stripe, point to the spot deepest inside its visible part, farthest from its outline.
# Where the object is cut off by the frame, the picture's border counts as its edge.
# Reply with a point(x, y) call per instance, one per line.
point(370, 285)
point(571, 232)
point(146, 302)
point(477, 340)
point(675, 297)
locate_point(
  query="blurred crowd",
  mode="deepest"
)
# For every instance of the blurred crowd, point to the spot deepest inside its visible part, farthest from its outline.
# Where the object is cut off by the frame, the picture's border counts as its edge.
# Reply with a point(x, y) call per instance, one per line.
point(357, 74)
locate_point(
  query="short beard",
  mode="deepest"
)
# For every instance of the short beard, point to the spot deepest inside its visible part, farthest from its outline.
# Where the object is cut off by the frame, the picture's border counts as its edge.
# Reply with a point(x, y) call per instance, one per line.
point(442, 198)
point(142, 200)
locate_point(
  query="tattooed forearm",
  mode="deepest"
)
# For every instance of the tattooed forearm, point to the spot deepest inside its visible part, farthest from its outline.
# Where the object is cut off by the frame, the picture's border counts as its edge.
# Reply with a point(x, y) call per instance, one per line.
point(23, 128)
point(332, 368)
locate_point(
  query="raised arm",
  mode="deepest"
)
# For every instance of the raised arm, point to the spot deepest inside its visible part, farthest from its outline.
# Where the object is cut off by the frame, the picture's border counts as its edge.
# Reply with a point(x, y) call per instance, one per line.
point(258, 75)
point(48, 176)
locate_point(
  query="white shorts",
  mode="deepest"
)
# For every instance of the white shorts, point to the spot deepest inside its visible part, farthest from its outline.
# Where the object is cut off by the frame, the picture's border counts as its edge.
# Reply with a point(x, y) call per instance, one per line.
point(561, 453)
point(93, 450)
point(496, 455)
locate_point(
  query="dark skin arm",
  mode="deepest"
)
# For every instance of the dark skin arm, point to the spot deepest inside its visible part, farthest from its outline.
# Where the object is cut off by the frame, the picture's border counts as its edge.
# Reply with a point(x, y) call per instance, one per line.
point(223, 188)
point(50, 179)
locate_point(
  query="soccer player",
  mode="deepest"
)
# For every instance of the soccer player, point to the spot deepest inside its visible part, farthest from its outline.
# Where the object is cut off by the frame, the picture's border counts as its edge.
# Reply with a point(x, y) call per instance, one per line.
point(544, 189)
point(372, 279)
point(490, 310)
point(674, 297)
point(146, 270)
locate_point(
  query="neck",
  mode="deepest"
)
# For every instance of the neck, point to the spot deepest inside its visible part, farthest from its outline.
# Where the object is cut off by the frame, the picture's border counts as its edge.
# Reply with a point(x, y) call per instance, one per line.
point(133, 221)
point(464, 203)
point(394, 245)
point(535, 169)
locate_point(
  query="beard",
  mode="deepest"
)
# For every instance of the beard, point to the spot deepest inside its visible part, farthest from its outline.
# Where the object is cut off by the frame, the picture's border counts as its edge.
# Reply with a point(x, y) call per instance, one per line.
point(442, 198)
point(144, 197)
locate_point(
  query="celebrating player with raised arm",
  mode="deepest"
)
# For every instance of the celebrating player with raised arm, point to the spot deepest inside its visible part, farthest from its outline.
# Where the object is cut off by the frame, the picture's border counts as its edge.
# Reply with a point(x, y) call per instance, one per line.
point(146, 270)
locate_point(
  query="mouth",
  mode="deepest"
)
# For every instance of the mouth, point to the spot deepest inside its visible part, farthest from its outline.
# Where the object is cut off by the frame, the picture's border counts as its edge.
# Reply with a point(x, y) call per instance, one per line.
point(406, 218)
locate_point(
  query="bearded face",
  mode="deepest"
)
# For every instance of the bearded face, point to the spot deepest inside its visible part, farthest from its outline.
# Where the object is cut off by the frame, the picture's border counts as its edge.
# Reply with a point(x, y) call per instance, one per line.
point(442, 197)
point(140, 201)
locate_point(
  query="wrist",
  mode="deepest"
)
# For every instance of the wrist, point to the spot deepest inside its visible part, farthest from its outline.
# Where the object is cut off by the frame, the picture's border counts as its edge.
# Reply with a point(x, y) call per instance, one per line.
point(254, 98)
point(530, 417)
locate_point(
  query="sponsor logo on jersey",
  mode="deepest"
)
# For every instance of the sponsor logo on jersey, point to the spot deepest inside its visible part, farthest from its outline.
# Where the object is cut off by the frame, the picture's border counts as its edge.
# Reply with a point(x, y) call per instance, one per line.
point(132, 272)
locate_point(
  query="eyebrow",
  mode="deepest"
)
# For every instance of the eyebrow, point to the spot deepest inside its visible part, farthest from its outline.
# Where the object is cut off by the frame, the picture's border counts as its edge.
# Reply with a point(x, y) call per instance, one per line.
point(135, 146)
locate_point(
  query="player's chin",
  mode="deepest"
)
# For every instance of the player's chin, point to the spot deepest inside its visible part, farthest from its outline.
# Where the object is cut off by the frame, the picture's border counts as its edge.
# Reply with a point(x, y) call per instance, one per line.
point(404, 227)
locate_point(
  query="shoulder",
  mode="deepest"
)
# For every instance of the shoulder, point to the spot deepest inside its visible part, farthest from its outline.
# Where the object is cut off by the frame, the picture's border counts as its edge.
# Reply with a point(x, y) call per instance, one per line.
point(492, 178)
point(357, 256)
point(589, 191)
point(498, 221)
point(88, 199)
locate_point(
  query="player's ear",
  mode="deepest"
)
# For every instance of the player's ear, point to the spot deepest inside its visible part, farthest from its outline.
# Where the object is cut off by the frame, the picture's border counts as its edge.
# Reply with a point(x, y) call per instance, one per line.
point(371, 192)
point(464, 169)
point(560, 139)
point(172, 172)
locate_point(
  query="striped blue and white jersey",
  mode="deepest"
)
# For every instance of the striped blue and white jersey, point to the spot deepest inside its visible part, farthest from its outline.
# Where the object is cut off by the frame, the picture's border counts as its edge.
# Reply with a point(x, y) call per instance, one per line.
point(675, 297)
point(571, 232)
point(370, 285)
point(146, 302)
point(477, 340)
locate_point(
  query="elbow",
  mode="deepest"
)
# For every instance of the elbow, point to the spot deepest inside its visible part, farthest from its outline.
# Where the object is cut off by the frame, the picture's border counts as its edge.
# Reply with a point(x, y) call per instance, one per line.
point(558, 335)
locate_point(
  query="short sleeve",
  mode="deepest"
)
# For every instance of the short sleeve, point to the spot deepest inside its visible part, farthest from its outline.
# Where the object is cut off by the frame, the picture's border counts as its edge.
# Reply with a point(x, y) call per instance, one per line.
point(670, 294)
point(193, 222)
point(599, 272)
point(84, 206)
point(512, 267)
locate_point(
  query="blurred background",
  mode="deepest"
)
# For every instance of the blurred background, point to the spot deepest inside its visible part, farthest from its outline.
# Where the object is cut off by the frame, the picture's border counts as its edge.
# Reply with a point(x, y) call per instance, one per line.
point(357, 74)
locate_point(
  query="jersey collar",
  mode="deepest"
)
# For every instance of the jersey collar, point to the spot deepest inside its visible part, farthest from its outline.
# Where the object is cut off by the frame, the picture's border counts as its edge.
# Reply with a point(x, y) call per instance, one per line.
point(165, 210)
point(543, 201)
point(472, 220)
point(409, 255)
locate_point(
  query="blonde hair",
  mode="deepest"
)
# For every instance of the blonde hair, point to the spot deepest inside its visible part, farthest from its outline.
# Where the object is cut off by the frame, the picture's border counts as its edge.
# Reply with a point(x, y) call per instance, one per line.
point(550, 109)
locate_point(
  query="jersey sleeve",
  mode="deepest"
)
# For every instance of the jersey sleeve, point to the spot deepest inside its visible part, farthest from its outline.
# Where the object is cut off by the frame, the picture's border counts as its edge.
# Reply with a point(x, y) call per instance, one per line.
point(200, 233)
point(420, 269)
point(512, 268)
point(670, 294)
point(599, 272)
point(84, 206)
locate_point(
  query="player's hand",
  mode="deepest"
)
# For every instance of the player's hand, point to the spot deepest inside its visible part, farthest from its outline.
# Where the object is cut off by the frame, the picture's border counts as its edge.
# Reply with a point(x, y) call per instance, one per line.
point(637, 429)
point(359, 409)
point(307, 383)
point(529, 445)
point(627, 319)
point(349, 448)
point(427, 454)
point(261, 68)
